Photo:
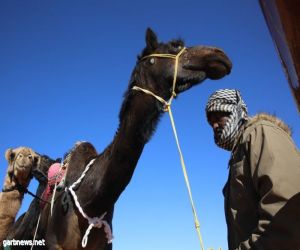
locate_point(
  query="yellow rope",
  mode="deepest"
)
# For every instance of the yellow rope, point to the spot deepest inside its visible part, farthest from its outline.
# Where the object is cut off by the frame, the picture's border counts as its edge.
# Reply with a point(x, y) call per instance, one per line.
point(151, 93)
point(160, 55)
point(176, 57)
point(197, 224)
point(167, 107)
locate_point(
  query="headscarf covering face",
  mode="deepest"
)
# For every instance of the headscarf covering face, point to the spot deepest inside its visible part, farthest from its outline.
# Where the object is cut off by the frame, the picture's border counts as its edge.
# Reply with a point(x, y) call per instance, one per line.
point(228, 100)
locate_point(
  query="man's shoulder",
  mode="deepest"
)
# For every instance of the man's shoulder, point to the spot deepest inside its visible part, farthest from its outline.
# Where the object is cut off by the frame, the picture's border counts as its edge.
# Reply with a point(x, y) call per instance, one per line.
point(264, 121)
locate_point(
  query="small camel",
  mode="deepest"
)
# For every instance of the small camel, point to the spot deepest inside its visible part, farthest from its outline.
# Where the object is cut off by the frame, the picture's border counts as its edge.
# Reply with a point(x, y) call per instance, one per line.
point(21, 161)
point(24, 227)
point(110, 172)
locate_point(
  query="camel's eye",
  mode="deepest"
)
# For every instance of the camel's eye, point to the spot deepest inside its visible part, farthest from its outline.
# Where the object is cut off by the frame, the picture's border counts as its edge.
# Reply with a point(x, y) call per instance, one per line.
point(30, 156)
point(20, 156)
point(152, 60)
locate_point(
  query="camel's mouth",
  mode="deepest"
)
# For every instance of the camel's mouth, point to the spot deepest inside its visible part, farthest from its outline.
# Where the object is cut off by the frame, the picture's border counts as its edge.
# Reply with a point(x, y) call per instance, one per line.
point(214, 68)
point(217, 69)
point(190, 81)
point(23, 167)
point(213, 62)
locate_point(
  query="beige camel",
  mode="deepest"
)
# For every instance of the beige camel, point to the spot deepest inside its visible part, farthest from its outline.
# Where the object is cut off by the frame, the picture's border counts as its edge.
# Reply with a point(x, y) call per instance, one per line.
point(21, 161)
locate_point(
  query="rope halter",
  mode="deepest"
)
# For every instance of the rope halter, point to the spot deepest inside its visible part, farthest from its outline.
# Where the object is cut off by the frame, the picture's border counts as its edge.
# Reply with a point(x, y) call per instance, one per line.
point(166, 104)
point(167, 108)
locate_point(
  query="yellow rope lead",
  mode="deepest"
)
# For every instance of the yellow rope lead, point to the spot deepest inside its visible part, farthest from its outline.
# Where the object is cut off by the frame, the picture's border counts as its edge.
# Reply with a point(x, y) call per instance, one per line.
point(197, 224)
point(167, 107)
point(151, 93)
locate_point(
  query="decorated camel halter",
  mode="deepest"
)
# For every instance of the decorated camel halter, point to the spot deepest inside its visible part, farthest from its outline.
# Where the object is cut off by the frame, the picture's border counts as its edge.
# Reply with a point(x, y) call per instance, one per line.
point(167, 108)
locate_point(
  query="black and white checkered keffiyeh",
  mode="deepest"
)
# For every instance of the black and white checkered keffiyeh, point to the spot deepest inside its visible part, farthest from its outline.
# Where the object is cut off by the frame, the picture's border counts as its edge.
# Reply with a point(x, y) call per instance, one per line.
point(228, 100)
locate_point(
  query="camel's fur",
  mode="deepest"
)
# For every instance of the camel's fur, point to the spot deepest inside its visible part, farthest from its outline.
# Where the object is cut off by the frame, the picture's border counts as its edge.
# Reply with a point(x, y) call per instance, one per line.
point(20, 164)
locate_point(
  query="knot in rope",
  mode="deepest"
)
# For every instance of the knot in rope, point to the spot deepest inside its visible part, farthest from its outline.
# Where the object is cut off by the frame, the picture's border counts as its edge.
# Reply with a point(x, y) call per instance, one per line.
point(97, 222)
point(166, 105)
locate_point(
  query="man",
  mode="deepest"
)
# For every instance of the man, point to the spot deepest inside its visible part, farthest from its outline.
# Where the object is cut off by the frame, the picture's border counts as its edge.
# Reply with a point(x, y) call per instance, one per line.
point(262, 195)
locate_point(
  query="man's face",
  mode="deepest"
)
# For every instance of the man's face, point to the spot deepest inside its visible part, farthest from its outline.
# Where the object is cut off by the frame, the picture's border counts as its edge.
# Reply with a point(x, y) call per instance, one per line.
point(217, 121)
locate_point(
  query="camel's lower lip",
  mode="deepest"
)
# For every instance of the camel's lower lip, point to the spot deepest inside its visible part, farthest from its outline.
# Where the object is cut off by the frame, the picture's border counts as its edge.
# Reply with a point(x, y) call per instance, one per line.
point(221, 63)
point(22, 167)
point(183, 87)
point(215, 65)
point(217, 70)
point(190, 81)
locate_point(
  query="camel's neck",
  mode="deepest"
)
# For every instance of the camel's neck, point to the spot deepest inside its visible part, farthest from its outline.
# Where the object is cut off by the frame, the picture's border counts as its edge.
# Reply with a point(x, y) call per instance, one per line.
point(139, 116)
point(14, 199)
point(14, 183)
point(138, 119)
point(10, 205)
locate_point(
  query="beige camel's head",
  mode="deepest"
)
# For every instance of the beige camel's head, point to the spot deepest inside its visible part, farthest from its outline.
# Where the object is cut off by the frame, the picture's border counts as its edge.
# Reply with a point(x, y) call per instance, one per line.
point(21, 162)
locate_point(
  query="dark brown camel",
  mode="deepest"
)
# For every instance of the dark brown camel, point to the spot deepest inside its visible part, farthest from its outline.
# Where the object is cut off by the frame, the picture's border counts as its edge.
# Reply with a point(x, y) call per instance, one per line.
point(112, 169)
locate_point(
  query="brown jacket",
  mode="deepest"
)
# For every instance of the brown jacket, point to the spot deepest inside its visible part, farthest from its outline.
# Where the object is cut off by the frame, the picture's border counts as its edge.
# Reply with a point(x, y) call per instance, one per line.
point(262, 195)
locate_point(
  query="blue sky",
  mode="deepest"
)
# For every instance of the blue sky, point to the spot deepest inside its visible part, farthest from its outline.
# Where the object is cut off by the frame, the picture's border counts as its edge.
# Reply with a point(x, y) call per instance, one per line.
point(64, 66)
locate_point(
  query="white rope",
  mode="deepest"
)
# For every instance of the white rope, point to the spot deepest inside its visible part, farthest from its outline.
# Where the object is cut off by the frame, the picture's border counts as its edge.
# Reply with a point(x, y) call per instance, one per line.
point(95, 221)
point(54, 190)
point(36, 229)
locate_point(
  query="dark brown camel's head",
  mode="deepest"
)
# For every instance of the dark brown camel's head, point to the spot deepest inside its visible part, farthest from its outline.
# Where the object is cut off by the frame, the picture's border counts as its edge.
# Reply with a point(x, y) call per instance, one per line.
point(40, 171)
point(195, 64)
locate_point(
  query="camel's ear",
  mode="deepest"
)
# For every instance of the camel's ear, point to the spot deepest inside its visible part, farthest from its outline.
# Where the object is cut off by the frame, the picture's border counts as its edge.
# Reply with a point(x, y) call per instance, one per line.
point(151, 39)
point(10, 155)
point(37, 159)
point(58, 160)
